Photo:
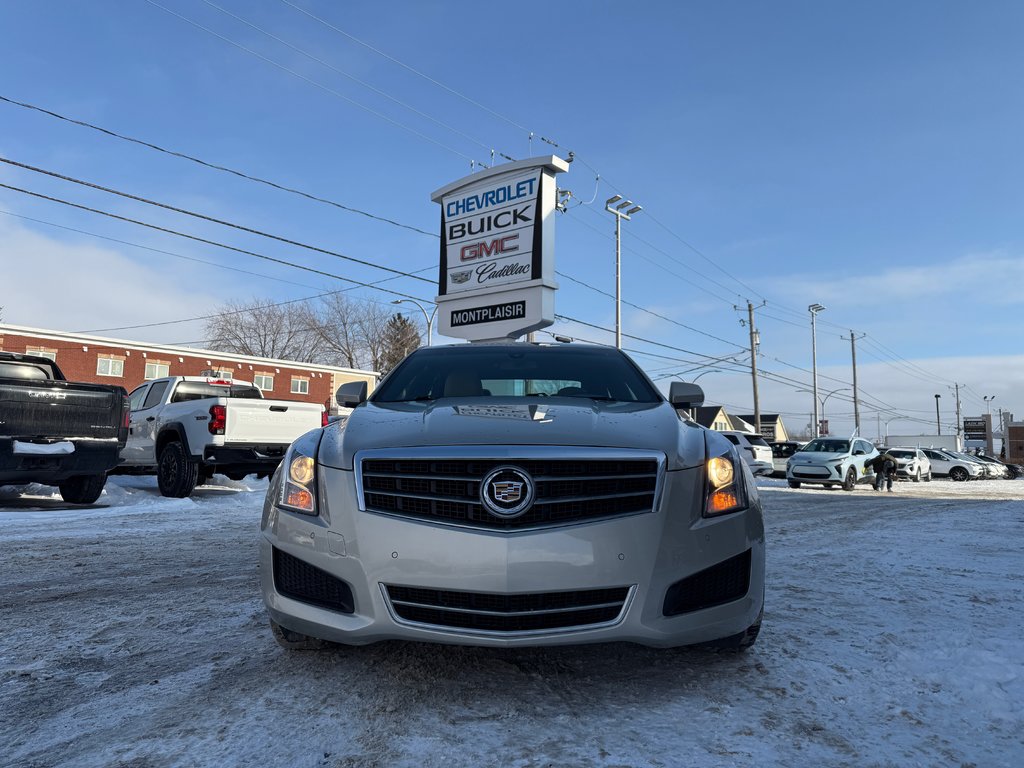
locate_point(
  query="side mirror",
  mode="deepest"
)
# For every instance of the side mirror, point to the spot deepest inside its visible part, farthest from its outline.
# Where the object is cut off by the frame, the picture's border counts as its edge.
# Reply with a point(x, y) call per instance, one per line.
point(860, 452)
point(351, 394)
point(685, 395)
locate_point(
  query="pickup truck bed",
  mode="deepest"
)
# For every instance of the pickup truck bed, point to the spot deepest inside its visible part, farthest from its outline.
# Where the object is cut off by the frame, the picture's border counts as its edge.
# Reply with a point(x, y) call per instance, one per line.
point(57, 432)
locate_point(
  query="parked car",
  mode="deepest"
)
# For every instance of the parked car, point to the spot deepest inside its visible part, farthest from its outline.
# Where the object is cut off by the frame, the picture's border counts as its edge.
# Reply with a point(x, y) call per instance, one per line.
point(912, 463)
point(945, 464)
point(184, 429)
point(782, 450)
point(989, 471)
point(996, 468)
point(754, 449)
point(57, 432)
point(831, 461)
point(513, 495)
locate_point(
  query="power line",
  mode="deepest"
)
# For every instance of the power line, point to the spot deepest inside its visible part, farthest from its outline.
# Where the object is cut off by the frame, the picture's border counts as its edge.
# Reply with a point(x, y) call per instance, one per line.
point(648, 311)
point(214, 166)
point(312, 82)
point(198, 239)
point(211, 219)
point(407, 67)
point(351, 77)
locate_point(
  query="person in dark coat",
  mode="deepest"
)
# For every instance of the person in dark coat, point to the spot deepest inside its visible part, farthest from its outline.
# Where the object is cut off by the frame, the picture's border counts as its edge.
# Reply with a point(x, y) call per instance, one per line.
point(884, 466)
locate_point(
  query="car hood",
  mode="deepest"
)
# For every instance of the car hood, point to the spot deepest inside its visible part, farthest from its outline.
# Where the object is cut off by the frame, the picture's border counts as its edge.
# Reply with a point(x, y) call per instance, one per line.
point(511, 421)
point(816, 457)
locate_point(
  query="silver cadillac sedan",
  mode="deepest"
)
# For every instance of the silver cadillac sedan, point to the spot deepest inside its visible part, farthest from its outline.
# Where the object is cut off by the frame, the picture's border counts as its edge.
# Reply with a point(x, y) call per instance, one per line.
point(514, 494)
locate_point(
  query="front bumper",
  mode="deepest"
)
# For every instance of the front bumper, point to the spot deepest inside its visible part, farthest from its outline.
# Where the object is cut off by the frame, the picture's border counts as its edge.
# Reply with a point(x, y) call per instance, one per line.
point(636, 560)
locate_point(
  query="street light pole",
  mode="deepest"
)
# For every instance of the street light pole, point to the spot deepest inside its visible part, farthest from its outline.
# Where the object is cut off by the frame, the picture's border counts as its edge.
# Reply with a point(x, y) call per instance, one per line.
point(988, 403)
point(814, 309)
point(938, 424)
point(429, 318)
point(620, 213)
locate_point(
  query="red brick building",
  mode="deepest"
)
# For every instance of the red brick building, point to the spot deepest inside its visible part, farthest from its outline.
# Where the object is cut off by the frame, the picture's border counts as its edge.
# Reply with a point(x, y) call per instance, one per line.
point(130, 363)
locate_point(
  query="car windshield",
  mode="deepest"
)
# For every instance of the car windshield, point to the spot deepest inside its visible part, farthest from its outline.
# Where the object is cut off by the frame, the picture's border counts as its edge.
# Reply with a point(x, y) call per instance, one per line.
point(827, 446)
point(903, 454)
point(516, 370)
point(757, 440)
point(783, 450)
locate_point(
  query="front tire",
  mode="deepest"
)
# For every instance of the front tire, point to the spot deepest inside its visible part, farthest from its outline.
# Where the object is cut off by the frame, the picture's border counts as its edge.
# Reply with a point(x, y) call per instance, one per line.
point(82, 490)
point(928, 477)
point(296, 641)
point(176, 474)
point(958, 474)
point(917, 477)
point(850, 480)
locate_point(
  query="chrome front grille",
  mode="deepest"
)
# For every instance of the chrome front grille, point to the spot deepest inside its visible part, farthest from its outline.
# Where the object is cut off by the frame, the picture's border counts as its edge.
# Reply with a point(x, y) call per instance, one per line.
point(573, 485)
point(489, 613)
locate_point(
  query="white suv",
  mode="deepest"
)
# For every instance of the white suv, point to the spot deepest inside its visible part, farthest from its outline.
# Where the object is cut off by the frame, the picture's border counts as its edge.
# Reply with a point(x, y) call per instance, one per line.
point(831, 461)
point(912, 463)
point(755, 451)
point(955, 468)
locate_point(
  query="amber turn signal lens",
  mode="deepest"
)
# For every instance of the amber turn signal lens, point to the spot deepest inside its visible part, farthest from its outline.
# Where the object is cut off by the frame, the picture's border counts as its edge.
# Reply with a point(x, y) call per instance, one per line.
point(723, 501)
point(720, 472)
point(301, 470)
point(299, 498)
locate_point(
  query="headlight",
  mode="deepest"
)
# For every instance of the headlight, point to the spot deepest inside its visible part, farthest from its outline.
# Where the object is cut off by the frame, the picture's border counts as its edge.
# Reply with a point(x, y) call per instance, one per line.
point(298, 488)
point(726, 491)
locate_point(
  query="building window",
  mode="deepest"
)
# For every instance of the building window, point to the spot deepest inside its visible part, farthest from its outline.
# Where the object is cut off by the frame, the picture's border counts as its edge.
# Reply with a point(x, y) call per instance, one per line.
point(264, 382)
point(223, 374)
point(300, 386)
point(109, 366)
point(157, 370)
point(49, 354)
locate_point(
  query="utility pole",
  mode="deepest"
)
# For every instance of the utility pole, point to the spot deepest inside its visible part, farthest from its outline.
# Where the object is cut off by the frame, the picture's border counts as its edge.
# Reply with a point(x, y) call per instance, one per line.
point(853, 353)
point(814, 309)
point(956, 388)
point(620, 212)
point(755, 341)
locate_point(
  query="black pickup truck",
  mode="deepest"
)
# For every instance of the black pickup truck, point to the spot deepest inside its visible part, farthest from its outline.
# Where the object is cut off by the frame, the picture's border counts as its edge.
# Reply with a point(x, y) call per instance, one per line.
point(57, 432)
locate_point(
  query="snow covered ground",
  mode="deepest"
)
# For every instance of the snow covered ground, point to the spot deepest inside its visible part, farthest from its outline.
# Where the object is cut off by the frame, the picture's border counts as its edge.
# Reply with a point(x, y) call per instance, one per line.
point(134, 635)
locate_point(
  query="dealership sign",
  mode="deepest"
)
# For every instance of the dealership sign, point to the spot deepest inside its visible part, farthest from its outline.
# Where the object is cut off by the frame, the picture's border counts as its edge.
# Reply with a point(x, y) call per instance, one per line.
point(497, 270)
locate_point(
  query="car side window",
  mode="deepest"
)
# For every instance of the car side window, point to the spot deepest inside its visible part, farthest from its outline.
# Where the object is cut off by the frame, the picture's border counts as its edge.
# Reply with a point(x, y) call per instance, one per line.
point(136, 397)
point(156, 393)
point(733, 439)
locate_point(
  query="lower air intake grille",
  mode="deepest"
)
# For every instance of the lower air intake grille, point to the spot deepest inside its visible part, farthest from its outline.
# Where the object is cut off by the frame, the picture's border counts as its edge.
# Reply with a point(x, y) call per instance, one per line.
point(487, 612)
point(299, 580)
point(722, 583)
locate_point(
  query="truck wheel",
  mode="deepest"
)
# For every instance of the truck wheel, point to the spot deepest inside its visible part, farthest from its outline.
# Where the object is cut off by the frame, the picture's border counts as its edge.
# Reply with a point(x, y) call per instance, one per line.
point(958, 474)
point(82, 490)
point(296, 641)
point(794, 483)
point(851, 479)
point(176, 475)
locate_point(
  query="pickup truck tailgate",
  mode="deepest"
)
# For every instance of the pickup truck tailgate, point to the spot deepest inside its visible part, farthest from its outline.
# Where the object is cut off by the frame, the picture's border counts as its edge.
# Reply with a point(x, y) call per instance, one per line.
point(67, 409)
point(269, 421)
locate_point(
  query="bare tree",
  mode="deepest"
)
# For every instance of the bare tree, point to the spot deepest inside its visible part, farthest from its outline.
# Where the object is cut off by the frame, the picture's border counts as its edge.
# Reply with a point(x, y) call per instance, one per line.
point(266, 329)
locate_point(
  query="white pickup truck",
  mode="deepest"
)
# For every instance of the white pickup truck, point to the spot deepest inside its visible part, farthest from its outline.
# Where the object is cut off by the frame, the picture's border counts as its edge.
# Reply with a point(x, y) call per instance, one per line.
point(184, 429)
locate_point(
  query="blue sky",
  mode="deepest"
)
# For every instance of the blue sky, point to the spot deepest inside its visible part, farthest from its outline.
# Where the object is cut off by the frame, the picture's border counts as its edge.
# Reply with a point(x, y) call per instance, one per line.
point(864, 156)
